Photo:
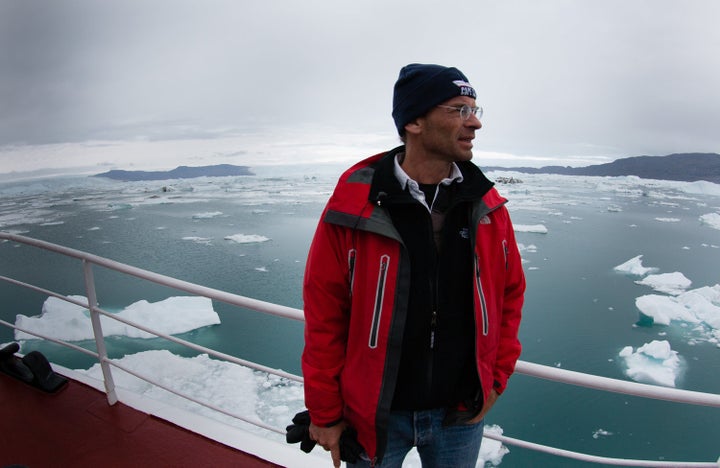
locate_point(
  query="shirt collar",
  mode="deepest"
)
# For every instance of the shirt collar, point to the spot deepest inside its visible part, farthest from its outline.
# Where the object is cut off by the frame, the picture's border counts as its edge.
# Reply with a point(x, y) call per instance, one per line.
point(414, 188)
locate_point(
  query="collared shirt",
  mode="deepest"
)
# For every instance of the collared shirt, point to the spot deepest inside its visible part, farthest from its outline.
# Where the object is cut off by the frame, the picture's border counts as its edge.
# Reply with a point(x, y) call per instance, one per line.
point(414, 188)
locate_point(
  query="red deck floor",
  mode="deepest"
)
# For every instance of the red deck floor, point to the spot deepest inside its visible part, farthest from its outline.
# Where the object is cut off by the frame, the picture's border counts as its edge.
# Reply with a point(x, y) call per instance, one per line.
point(76, 427)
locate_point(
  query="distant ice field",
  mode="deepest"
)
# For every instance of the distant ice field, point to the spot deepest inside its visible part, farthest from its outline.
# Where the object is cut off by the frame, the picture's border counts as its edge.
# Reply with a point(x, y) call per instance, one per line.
point(622, 282)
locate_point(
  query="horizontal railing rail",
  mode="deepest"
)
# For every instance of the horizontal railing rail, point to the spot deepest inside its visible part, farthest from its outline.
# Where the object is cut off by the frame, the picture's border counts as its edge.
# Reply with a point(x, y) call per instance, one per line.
point(530, 369)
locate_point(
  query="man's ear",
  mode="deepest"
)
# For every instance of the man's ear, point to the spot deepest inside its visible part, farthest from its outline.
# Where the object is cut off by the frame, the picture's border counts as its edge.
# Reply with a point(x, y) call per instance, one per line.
point(415, 126)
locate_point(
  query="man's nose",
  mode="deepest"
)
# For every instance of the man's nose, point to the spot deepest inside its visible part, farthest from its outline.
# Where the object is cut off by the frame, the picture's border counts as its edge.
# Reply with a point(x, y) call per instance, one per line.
point(473, 122)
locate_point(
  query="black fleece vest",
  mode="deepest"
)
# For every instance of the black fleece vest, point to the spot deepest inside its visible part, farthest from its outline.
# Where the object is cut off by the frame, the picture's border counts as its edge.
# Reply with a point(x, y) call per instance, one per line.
point(437, 361)
point(437, 364)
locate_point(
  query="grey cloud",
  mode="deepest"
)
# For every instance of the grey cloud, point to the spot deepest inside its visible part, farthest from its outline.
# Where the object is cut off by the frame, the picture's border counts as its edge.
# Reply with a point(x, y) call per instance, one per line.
point(556, 78)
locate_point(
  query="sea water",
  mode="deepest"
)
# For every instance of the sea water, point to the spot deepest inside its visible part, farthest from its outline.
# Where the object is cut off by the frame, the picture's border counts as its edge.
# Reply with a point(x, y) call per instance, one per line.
point(250, 235)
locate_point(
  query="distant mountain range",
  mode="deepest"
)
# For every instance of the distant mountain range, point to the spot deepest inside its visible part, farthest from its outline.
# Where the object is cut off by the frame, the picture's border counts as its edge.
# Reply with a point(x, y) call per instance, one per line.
point(687, 167)
point(180, 172)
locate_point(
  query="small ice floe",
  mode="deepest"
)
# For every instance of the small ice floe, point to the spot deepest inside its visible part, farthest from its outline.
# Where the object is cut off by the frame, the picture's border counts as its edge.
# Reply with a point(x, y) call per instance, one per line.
point(207, 215)
point(711, 219)
point(601, 433)
point(247, 238)
point(698, 308)
point(634, 267)
point(492, 451)
point(198, 240)
point(663, 309)
point(668, 220)
point(532, 228)
point(653, 363)
point(532, 248)
point(669, 283)
point(67, 321)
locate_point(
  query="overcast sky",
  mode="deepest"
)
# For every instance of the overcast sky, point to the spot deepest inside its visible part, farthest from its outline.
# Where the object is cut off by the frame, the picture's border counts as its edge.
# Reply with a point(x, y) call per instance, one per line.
point(559, 79)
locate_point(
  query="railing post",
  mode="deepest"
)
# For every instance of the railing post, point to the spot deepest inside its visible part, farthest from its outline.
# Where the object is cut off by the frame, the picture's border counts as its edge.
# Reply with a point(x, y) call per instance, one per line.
point(97, 331)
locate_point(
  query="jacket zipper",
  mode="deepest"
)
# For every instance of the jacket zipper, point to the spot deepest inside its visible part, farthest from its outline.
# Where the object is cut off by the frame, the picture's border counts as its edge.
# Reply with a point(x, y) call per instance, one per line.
point(351, 268)
point(434, 291)
point(481, 295)
point(433, 326)
point(379, 294)
point(506, 253)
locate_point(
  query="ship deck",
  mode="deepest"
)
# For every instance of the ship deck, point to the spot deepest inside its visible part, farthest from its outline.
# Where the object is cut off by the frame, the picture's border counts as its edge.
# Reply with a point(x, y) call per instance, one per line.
point(77, 427)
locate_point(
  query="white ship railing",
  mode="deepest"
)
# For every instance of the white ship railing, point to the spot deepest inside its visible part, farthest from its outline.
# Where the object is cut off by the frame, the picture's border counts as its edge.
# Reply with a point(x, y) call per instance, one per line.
point(527, 368)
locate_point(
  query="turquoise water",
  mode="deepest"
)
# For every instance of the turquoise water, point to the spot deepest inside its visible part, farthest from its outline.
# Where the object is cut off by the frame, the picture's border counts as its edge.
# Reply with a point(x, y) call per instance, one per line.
point(579, 312)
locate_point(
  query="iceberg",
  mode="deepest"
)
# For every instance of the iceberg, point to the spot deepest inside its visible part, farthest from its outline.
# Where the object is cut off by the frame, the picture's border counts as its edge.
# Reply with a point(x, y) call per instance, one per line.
point(63, 320)
point(711, 219)
point(634, 267)
point(663, 309)
point(669, 283)
point(699, 307)
point(246, 238)
point(198, 239)
point(207, 215)
point(532, 228)
point(653, 363)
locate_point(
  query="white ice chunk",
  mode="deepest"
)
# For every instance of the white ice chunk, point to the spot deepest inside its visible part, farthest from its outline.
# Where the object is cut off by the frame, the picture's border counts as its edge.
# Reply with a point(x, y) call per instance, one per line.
point(532, 228)
point(62, 320)
point(224, 384)
point(207, 215)
point(663, 309)
point(247, 238)
point(669, 283)
point(198, 240)
point(634, 266)
point(704, 304)
point(601, 433)
point(532, 248)
point(699, 307)
point(491, 450)
point(701, 187)
point(711, 219)
point(653, 363)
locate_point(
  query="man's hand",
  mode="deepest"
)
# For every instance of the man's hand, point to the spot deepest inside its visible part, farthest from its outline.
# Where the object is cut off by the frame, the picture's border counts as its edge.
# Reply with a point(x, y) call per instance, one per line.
point(486, 407)
point(329, 439)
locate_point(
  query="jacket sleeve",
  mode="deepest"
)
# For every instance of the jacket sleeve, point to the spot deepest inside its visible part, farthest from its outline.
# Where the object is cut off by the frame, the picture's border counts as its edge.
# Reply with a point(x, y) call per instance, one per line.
point(326, 297)
point(509, 346)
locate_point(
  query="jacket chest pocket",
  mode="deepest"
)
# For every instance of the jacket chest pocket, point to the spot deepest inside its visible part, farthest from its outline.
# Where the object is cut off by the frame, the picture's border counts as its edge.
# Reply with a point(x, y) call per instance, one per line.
point(481, 298)
point(378, 302)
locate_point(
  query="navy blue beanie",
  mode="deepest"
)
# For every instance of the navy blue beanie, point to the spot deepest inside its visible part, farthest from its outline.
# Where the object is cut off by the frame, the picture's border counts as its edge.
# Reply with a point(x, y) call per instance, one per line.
point(421, 87)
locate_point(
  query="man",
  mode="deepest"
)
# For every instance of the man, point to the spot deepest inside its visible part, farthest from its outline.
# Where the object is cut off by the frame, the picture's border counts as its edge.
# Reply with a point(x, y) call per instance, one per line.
point(413, 288)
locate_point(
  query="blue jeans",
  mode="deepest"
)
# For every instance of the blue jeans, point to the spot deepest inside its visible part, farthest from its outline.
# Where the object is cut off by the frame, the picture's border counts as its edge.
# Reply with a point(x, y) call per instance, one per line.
point(438, 446)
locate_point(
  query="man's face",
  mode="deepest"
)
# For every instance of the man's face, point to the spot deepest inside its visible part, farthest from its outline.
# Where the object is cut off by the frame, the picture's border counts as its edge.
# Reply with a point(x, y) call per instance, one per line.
point(445, 135)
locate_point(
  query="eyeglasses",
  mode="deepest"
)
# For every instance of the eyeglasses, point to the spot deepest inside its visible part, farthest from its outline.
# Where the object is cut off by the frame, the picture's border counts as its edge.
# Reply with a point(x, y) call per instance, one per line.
point(466, 111)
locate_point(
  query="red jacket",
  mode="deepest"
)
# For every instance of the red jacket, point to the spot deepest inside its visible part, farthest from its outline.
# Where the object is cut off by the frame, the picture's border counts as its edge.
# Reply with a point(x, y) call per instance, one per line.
point(354, 281)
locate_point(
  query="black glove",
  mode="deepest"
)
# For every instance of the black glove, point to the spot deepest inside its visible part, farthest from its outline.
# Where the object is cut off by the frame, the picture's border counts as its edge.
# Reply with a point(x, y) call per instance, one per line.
point(299, 431)
point(350, 448)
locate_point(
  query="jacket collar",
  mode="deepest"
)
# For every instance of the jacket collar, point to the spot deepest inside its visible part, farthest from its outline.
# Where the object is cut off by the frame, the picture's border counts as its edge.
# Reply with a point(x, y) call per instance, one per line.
point(385, 185)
